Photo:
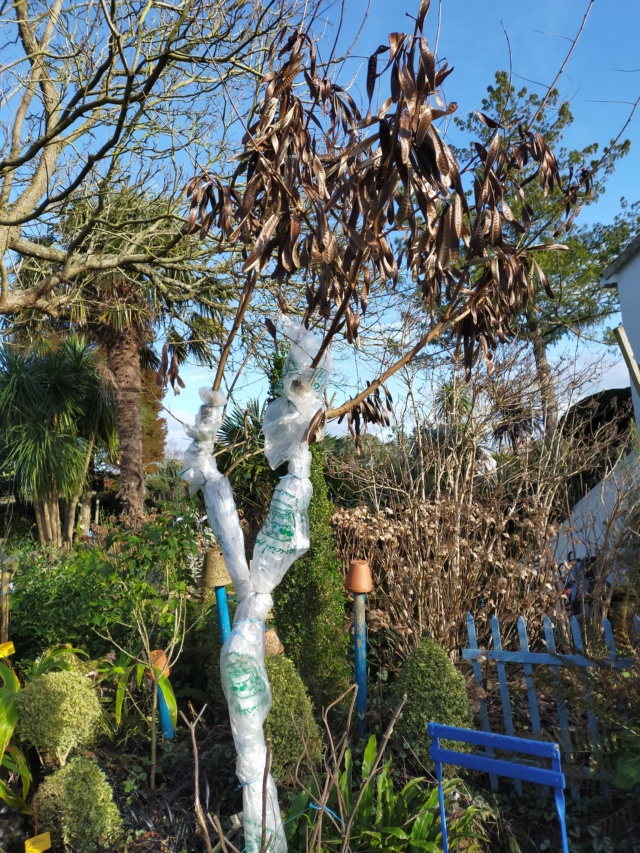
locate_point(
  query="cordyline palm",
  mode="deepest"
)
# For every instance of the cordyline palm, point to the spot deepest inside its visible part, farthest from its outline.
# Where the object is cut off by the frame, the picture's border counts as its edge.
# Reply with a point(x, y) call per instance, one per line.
point(123, 310)
point(56, 411)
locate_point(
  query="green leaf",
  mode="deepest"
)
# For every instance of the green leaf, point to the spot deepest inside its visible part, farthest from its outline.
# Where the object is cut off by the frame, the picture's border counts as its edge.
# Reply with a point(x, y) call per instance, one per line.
point(10, 679)
point(345, 782)
point(169, 696)
point(395, 831)
point(385, 796)
point(14, 760)
point(8, 718)
point(422, 826)
point(12, 799)
point(369, 756)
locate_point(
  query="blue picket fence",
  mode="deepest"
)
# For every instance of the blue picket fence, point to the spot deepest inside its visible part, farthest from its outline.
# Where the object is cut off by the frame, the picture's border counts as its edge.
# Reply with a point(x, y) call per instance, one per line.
point(555, 661)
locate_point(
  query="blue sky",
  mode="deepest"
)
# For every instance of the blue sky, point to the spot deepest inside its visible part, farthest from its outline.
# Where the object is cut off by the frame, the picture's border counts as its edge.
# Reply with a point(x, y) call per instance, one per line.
point(601, 80)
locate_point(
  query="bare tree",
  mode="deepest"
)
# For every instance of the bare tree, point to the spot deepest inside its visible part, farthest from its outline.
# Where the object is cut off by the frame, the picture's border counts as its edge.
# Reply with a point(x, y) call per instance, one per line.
point(100, 93)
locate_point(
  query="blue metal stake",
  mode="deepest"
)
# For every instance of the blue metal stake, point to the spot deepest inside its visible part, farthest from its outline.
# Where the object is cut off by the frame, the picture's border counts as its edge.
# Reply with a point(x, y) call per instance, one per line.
point(360, 644)
point(165, 716)
point(223, 612)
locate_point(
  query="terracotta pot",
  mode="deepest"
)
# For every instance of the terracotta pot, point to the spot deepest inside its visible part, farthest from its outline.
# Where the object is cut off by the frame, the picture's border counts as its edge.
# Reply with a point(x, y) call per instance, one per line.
point(358, 577)
point(159, 660)
point(214, 570)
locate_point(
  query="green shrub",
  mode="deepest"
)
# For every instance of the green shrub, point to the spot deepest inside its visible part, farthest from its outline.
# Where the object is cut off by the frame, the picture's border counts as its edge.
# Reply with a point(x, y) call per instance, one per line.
point(57, 712)
point(290, 723)
point(435, 693)
point(310, 604)
point(76, 806)
point(71, 597)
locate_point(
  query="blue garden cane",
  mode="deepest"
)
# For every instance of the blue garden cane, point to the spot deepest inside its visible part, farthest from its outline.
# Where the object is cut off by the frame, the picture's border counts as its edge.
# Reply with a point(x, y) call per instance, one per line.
point(511, 769)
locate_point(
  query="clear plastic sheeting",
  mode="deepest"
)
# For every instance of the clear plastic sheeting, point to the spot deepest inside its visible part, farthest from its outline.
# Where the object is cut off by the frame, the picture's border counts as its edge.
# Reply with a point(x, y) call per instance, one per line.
point(283, 538)
point(300, 390)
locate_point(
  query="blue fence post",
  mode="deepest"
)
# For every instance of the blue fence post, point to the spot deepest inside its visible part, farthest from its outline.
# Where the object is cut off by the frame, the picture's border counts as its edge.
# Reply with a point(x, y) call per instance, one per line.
point(504, 687)
point(588, 698)
point(474, 653)
point(528, 678)
point(359, 582)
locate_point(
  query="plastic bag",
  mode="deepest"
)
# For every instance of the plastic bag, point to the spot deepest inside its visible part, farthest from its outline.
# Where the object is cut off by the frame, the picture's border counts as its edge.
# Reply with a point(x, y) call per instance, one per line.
point(283, 538)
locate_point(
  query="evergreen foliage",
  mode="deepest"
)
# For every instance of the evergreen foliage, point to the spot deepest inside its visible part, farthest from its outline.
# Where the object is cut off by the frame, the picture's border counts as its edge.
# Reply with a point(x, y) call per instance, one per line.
point(290, 724)
point(435, 693)
point(75, 804)
point(310, 602)
point(57, 712)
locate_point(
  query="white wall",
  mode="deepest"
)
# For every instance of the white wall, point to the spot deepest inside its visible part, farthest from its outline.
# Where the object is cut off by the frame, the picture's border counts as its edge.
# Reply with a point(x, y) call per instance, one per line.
point(628, 278)
point(595, 521)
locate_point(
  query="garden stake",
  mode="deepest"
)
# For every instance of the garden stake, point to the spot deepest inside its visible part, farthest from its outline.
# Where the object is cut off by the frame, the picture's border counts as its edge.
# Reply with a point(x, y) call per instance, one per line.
point(359, 582)
point(214, 574)
point(360, 647)
point(222, 604)
point(165, 716)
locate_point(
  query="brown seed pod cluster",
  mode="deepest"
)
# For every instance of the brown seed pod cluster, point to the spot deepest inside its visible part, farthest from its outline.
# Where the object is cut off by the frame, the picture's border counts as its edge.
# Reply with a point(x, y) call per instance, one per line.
point(169, 370)
point(371, 410)
point(342, 201)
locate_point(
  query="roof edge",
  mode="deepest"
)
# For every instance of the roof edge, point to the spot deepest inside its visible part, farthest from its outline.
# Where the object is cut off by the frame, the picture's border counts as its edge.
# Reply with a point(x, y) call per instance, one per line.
point(623, 258)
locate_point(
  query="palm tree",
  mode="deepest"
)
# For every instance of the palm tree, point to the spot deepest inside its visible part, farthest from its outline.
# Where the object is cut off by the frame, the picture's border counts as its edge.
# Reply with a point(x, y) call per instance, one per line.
point(123, 310)
point(56, 411)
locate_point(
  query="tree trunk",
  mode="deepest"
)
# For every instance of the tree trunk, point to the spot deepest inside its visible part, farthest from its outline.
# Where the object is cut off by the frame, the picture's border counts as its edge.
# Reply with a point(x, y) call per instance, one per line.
point(68, 527)
point(69, 521)
point(547, 390)
point(124, 361)
point(48, 521)
point(84, 520)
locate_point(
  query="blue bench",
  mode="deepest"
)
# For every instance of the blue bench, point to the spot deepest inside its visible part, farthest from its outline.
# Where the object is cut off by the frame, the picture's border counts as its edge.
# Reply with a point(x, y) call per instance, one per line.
point(554, 777)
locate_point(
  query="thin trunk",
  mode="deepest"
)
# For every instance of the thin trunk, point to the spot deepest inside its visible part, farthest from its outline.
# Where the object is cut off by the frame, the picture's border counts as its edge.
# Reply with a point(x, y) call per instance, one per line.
point(124, 361)
point(547, 390)
point(68, 527)
point(37, 505)
point(84, 520)
point(69, 521)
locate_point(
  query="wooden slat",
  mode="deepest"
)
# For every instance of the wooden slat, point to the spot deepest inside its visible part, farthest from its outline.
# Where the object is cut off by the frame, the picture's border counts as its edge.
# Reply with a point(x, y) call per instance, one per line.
point(475, 653)
point(588, 698)
point(524, 746)
point(563, 718)
point(541, 658)
point(504, 688)
point(528, 677)
point(511, 769)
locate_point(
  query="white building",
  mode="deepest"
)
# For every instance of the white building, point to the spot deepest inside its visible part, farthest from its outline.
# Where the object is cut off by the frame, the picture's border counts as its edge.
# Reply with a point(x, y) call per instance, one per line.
point(595, 520)
point(624, 273)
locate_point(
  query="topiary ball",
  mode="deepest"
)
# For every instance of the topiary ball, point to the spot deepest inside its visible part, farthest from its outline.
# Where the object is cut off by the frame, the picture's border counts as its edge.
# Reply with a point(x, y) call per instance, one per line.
point(436, 693)
point(75, 804)
point(290, 723)
point(57, 712)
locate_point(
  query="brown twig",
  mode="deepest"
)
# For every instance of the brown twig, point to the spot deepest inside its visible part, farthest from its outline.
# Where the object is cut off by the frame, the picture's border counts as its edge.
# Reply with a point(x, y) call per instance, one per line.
point(196, 774)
